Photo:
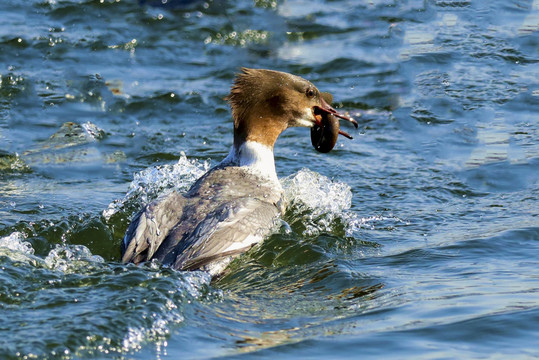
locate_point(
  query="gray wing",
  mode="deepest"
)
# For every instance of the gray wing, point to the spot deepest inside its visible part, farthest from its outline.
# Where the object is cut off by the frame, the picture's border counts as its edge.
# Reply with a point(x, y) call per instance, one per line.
point(230, 229)
point(151, 226)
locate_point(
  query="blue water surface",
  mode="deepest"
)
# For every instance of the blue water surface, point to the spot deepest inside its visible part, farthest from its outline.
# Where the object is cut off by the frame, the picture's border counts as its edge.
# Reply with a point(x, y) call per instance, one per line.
point(417, 239)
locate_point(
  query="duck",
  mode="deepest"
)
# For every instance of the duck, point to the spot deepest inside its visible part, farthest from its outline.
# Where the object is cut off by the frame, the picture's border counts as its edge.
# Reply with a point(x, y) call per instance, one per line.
point(237, 203)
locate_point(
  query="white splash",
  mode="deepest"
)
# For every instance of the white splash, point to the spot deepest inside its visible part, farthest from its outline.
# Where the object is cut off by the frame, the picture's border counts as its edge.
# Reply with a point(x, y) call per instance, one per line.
point(71, 258)
point(317, 192)
point(149, 183)
point(64, 258)
point(325, 199)
point(15, 242)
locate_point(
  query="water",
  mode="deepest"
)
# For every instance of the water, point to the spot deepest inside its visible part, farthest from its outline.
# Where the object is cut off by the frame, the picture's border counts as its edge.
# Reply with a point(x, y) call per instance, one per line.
point(417, 239)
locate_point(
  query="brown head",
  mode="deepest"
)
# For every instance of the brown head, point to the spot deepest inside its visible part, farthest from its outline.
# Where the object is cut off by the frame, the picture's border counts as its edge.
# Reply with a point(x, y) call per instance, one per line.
point(265, 102)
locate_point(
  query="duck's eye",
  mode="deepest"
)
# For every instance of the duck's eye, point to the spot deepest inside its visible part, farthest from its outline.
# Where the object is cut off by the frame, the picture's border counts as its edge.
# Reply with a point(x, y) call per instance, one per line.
point(309, 92)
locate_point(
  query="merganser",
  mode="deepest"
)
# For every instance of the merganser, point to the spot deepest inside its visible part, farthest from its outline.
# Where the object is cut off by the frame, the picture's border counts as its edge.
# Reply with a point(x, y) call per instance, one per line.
point(235, 204)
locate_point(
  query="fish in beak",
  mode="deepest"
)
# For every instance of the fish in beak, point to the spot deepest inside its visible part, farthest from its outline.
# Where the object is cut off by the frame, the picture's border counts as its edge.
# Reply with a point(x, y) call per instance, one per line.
point(326, 130)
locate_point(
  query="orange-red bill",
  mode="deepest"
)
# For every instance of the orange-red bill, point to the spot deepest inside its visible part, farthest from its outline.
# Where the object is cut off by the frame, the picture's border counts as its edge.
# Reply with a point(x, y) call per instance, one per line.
point(325, 107)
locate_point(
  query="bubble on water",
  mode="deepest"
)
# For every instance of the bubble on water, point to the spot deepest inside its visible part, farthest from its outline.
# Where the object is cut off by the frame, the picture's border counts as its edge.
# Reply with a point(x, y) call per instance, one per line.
point(196, 282)
point(193, 285)
point(13, 162)
point(376, 222)
point(93, 130)
point(149, 183)
point(157, 333)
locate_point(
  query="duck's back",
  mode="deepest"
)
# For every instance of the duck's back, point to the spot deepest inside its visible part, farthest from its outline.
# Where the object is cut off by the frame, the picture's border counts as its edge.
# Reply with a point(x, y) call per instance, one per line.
point(223, 214)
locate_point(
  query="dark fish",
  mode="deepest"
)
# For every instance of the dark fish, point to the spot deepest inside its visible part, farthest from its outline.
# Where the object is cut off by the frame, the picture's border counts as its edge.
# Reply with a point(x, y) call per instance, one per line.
point(326, 131)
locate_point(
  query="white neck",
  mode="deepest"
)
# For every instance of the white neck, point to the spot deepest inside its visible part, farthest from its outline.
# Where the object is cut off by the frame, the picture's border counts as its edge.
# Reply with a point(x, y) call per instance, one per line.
point(255, 156)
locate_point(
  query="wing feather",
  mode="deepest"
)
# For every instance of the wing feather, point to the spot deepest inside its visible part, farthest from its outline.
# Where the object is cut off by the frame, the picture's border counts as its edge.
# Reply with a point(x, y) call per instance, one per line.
point(229, 230)
point(224, 214)
point(151, 226)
